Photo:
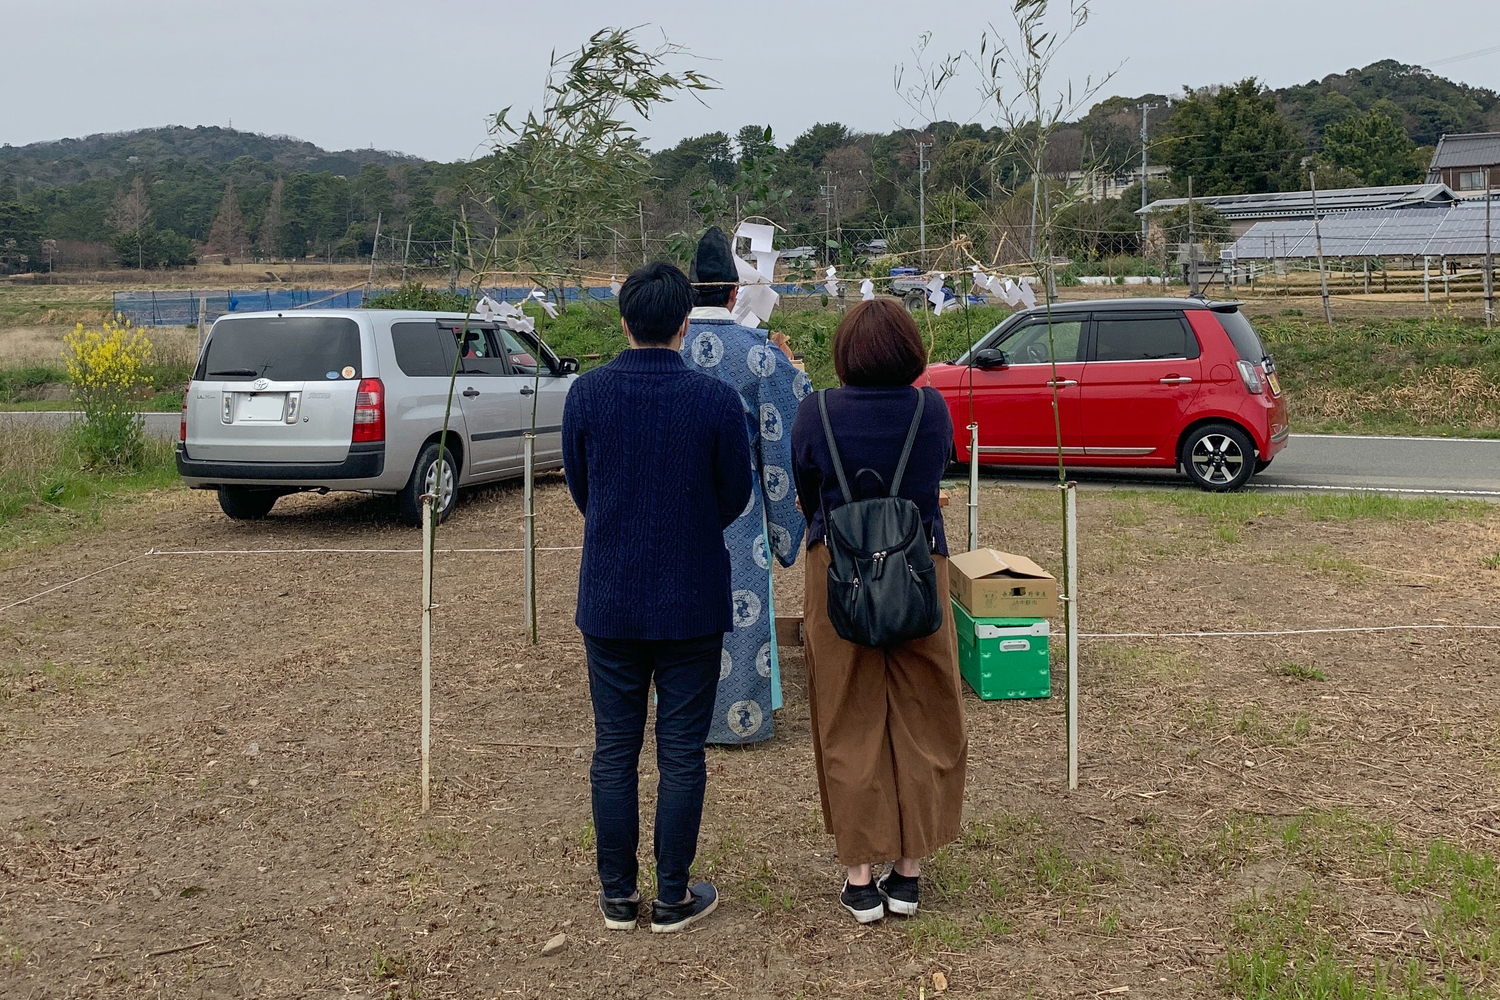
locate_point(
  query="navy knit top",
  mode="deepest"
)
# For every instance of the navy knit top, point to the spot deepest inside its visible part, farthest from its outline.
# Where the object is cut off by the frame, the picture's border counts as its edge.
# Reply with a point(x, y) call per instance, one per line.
point(870, 425)
point(658, 460)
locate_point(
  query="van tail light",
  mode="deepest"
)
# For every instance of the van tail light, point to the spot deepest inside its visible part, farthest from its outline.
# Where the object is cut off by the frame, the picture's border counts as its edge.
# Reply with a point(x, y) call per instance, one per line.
point(187, 392)
point(369, 411)
point(1251, 378)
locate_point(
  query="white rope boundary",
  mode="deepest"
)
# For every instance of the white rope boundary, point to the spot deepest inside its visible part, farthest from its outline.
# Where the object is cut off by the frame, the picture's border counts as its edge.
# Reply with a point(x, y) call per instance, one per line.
point(578, 548)
point(264, 552)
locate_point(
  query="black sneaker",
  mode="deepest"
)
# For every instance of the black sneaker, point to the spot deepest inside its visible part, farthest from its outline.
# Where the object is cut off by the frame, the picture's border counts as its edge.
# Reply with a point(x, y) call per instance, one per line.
point(620, 914)
point(863, 901)
point(899, 893)
point(668, 918)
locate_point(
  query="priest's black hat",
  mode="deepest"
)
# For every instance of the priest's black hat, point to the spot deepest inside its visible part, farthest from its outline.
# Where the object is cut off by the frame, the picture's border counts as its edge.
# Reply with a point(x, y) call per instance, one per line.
point(714, 262)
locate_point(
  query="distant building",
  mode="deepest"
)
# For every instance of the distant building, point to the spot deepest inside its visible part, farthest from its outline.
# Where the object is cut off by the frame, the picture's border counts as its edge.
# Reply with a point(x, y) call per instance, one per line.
point(1469, 163)
point(1242, 211)
point(1104, 185)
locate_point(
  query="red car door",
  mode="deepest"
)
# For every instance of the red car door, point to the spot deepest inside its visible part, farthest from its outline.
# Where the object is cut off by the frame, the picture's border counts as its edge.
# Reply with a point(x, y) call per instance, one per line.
point(1143, 373)
point(1013, 404)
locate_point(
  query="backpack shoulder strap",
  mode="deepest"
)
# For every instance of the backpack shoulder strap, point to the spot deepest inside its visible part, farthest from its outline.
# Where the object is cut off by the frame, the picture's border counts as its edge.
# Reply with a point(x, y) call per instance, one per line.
point(911, 437)
point(833, 448)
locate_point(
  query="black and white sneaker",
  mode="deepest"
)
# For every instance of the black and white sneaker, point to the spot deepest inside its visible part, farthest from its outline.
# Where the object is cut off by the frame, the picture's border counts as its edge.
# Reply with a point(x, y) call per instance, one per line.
point(863, 901)
point(899, 892)
point(668, 918)
point(620, 914)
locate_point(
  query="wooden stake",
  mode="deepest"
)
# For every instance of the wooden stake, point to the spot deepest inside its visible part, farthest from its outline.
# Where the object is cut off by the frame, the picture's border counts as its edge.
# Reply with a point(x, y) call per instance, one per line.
point(529, 556)
point(428, 537)
point(1070, 569)
point(1312, 180)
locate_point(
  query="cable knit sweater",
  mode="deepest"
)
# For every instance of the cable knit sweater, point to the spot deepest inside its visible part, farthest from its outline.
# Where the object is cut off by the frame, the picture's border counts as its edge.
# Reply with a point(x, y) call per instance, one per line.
point(658, 460)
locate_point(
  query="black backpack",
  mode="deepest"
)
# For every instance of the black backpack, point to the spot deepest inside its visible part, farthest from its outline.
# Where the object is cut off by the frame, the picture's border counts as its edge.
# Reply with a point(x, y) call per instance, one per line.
point(882, 585)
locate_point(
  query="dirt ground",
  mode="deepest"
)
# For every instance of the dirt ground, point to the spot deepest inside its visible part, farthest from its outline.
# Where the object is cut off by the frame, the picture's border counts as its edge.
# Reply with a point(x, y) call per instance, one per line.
point(209, 766)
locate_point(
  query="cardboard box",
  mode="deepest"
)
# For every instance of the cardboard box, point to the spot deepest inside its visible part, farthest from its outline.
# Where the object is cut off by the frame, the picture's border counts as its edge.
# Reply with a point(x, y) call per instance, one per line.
point(789, 631)
point(991, 584)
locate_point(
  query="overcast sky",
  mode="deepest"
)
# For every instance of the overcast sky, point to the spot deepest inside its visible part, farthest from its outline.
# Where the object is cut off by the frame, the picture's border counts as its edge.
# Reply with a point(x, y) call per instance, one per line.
point(421, 77)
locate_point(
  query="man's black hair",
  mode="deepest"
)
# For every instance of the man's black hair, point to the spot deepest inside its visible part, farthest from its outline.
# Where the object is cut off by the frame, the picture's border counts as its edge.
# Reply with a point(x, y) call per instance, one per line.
point(654, 301)
point(713, 270)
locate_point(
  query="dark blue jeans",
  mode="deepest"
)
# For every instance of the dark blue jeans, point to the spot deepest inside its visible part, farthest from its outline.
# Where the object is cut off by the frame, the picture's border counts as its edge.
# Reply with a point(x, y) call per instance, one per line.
point(686, 672)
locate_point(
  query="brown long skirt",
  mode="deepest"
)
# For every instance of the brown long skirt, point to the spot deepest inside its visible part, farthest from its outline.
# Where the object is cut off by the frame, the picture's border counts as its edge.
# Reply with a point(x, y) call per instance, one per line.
point(888, 732)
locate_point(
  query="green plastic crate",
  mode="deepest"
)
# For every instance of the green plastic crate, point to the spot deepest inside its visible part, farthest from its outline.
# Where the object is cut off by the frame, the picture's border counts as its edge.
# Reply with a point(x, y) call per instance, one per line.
point(1003, 657)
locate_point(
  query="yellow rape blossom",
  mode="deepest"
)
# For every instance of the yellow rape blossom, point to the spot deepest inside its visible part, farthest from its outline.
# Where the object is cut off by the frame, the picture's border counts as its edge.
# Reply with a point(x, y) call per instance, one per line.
point(108, 368)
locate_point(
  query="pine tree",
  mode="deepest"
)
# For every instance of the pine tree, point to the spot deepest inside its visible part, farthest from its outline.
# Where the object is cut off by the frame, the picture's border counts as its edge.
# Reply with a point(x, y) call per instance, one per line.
point(270, 225)
point(227, 235)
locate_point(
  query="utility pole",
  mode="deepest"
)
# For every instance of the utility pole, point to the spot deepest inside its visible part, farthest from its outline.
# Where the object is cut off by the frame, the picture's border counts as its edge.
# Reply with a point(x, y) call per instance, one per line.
point(1192, 261)
point(1146, 109)
point(922, 148)
point(407, 255)
point(828, 216)
point(1312, 180)
point(373, 248)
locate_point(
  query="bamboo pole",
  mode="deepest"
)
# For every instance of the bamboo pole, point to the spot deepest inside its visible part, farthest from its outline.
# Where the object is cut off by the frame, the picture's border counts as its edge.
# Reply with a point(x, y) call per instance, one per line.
point(973, 486)
point(1070, 553)
point(429, 535)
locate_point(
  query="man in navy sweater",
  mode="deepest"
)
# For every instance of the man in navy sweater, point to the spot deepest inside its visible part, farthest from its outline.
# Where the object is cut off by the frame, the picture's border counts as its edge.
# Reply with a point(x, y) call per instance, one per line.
point(658, 460)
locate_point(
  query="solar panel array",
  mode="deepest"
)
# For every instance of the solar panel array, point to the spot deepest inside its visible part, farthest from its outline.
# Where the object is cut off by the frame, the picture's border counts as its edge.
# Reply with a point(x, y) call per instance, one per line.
point(1408, 232)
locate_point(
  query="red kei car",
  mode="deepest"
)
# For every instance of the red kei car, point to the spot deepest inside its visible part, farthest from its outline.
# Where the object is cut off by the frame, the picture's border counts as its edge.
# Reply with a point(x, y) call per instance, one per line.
point(1159, 383)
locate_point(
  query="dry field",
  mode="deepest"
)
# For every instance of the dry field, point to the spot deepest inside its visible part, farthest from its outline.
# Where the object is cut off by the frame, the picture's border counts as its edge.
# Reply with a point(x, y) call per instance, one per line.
point(209, 779)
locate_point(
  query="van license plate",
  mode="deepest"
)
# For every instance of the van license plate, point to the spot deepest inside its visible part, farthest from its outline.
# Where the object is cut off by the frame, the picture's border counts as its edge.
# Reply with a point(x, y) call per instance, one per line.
point(260, 407)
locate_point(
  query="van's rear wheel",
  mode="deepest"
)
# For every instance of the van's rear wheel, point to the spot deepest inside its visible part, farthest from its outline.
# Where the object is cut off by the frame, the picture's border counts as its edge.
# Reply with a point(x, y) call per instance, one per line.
point(426, 478)
point(1218, 457)
point(247, 503)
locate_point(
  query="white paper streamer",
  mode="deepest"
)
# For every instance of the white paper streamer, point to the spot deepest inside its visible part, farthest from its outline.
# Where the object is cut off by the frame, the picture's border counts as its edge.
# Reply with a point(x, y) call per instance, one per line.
point(866, 290)
point(935, 292)
point(831, 286)
point(1026, 294)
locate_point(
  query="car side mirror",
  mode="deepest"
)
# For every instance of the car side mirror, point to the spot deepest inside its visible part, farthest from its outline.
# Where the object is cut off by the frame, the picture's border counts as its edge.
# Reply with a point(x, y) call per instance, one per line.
point(991, 357)
point(568, 366)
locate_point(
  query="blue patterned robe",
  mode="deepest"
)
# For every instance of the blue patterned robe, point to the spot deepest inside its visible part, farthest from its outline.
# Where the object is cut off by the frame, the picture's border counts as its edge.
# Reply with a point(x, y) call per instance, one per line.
point(750, 674)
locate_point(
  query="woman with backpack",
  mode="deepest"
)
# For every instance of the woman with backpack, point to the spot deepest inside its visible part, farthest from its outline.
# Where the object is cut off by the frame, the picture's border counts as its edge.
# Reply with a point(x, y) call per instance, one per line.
point(889, 739)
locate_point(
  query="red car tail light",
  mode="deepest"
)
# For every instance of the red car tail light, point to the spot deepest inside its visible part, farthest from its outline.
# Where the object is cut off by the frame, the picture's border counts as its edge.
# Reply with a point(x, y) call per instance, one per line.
point(187, 391)
point(1250, 377)
point(369, 411)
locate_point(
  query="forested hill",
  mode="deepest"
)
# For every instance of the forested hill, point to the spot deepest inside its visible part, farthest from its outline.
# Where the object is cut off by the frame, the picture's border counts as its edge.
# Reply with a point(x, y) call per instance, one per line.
point(153, 194)
point(114, 154)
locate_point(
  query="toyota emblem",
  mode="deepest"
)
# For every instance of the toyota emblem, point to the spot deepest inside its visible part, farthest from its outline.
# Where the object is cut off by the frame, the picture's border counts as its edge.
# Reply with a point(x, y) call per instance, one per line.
point(262, 383)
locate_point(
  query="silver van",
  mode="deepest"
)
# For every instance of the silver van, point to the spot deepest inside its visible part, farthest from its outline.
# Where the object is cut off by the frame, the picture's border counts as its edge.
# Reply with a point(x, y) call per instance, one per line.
point(353, 399)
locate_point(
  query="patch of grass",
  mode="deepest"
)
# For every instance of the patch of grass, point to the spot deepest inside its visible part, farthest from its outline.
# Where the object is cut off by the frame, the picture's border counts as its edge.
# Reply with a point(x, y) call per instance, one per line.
point(11, 954)
point(762, 890)
point(1434, 375)
point(385, 966)
point(1245, 508)
point(586, 838)
point(1144, 664)
point(1262, 731)
point(1491, 562)
point(46, 492)
point(933, 931)
point(446, 841)
point(1298, 671)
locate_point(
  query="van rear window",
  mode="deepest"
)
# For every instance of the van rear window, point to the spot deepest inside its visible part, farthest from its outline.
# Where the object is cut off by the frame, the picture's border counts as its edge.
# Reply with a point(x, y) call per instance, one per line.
point(282, 348)
point(1246, 341)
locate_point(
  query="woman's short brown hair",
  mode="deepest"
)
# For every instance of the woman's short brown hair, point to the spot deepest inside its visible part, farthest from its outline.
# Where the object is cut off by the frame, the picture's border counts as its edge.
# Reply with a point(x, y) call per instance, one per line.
point(878, 344)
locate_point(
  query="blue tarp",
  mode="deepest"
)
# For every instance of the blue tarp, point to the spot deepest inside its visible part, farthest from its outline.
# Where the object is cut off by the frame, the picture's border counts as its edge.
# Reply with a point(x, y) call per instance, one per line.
point(182, 308)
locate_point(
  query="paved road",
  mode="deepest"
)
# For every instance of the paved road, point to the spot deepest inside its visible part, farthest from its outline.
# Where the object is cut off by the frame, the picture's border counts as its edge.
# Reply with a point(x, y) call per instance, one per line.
point(1442, 466)
point(1449, 466)
point(159, 425)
